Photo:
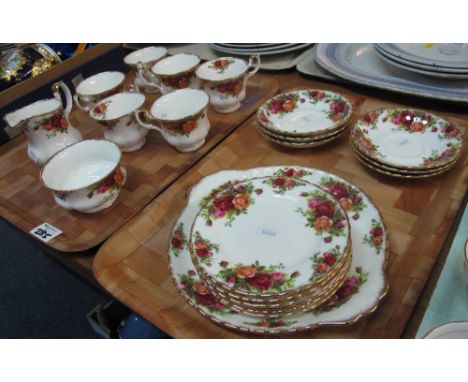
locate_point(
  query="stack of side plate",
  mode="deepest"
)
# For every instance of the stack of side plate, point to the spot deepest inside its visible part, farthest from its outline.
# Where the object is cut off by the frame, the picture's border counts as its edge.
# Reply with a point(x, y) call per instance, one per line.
point(304, 118)
point(444, 61)
point(268, 250)
point(406, 143)
point(263, 264)
point(261, 49)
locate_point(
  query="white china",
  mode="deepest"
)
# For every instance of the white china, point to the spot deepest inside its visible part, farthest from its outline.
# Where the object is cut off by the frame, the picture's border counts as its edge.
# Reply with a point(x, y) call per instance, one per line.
point(361, 292)
point(404, 66)
point(407, 138)
point(116, 115)
point(86, 176)
point(267, 51)
point(46, 124)
point(360, 63)
point(181, 118)
point(305, 112)
point(225, 81)
point(290, 250)
point(148, 57)
point(172, 73)
point(450, 55)
point(97, 87)
point(450, 330)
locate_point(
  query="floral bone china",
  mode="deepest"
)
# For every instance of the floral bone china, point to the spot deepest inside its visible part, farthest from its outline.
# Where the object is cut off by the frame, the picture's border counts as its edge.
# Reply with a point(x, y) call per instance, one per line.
point(182, 118)
point(255, 210)
point(361, 292)
point(116, 115)
point(95, 88)
point(225, 80)
point(172, 73)
point(148, 57)
point(305, 113)
point(86, 176)
point(46, 124)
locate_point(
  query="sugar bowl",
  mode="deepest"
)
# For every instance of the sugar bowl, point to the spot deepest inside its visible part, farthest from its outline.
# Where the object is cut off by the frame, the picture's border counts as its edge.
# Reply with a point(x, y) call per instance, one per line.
point(86, 176)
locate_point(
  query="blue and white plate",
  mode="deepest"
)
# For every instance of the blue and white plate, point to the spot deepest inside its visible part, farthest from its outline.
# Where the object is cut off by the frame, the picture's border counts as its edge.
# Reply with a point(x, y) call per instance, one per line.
point(360, 63)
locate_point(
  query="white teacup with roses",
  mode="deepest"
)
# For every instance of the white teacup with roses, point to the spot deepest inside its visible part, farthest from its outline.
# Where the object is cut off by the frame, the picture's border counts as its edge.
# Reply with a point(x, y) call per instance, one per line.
point(172, 73)
point(116, 115)
point(225, 81)
point(181, 118)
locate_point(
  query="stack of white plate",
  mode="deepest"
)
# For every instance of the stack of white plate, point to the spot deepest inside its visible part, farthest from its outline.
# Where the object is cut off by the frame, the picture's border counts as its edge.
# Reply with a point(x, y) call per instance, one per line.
point(406, 143)
point(262, 49)
point(304, 118)
point(268, 250)
point(446, 61)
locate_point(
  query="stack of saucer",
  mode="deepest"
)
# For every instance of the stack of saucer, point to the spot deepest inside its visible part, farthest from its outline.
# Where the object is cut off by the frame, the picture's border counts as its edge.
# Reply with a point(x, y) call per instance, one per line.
point(271, 246)
point(406, 143)
point(304, 118)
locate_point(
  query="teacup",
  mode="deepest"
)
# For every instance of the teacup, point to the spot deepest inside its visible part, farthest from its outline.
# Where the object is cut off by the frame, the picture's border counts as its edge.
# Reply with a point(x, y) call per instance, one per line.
point(182, 118)
point(172, 73)
point(116, 115)
point(86, 176)
point(225, 81)
point(97, 87)
point(148, 57)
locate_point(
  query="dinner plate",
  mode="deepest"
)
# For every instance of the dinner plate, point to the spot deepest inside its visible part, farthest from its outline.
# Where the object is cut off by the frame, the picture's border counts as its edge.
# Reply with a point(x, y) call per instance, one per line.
point(242, 230)
point(360, 294)
point(360, 63)
point(253, 46)
point(436, 69)
point(305, 112)
point(451, 330)
point(407, 138)
point(430, 73)
point(438, 55)
point(290, 48)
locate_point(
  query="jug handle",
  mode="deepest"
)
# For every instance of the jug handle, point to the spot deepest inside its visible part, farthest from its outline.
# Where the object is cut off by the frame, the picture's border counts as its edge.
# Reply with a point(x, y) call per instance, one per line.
point(146, 117)
point(68, 97)
point(141, 73)
point(253, 60)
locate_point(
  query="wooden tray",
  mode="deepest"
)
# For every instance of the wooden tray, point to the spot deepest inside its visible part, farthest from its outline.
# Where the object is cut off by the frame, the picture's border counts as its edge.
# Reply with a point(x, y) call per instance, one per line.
point(25, 203)
point(132, 265)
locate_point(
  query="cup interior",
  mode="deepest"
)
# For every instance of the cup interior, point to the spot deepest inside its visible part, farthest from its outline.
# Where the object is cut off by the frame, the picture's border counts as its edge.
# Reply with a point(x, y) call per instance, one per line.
point(100, 83)
point(231, 68)
point(145, 55)
point(32, 110)
point(80, 165)
point(118, 105)
point(175, 64)
point(179, 104)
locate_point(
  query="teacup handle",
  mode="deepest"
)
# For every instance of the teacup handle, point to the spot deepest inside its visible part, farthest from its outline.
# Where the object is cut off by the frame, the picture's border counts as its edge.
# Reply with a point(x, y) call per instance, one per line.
point(77, 102)
point(142, 74)
point(124, 175)
point(254, 61)
point(68, 97)
point(145, 124)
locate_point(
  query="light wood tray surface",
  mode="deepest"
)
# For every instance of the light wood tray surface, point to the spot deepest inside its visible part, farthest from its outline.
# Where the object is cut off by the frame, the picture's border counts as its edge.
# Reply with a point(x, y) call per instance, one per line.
point(132, 265)
point(25, 203)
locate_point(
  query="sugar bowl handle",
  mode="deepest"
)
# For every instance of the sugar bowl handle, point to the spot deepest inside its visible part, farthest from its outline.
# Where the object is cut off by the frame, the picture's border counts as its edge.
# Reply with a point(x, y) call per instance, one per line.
point(68, 97)
point(254, 64)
